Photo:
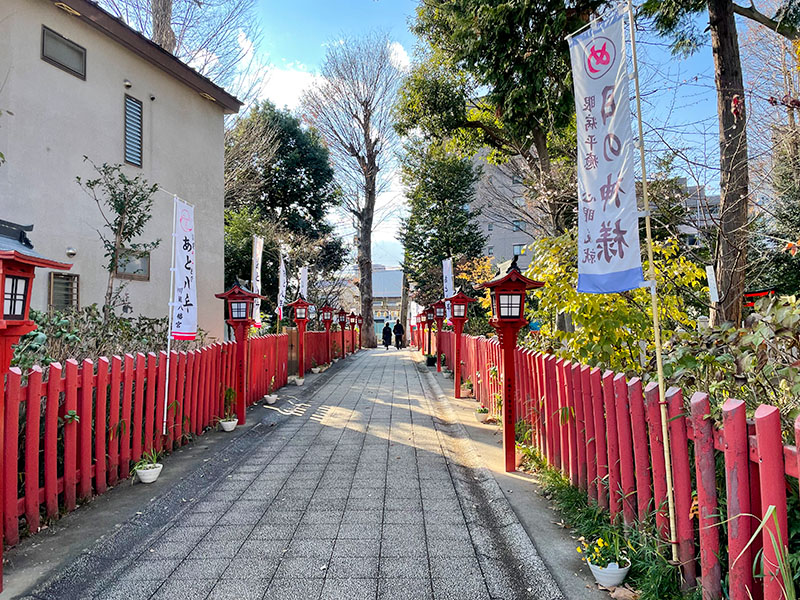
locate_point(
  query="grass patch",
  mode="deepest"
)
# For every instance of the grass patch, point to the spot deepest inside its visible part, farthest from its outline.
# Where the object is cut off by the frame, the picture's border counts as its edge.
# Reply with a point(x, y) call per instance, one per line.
point(651, 572)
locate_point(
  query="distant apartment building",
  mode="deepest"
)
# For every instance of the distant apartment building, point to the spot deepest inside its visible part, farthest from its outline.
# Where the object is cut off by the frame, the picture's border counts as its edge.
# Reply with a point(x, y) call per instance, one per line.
point(702, 212)
point(500, 198)
point(80, 82)
point(387, 292)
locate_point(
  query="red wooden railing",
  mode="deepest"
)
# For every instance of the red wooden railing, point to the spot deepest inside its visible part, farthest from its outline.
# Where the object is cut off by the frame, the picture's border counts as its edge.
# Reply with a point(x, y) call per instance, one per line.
point(59, 456)
point(603, 432)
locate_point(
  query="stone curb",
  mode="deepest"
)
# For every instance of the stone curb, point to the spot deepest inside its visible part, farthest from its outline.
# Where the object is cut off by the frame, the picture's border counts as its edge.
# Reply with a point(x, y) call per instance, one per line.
point(509, 544)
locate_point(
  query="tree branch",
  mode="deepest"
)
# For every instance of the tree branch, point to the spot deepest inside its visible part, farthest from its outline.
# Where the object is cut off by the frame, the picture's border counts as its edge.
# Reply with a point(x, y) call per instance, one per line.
point(777, 26)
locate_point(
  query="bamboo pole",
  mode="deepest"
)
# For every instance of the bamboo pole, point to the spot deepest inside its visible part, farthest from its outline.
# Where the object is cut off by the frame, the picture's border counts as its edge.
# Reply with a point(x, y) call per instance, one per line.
point(653, 296)
point(170, 306)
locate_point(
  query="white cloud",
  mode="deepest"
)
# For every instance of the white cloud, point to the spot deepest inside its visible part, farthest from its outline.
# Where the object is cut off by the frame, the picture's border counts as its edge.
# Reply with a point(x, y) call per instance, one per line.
point(399, 56)
point(286, 85)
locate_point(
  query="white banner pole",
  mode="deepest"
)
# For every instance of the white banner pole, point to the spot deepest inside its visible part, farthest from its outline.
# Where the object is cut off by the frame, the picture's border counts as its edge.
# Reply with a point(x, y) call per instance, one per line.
point(654, 297)
point(169, 318)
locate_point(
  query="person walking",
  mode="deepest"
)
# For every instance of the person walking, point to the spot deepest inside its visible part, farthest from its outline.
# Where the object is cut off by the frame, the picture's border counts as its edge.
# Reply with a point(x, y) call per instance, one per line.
point(387, 335)
point(399, 332)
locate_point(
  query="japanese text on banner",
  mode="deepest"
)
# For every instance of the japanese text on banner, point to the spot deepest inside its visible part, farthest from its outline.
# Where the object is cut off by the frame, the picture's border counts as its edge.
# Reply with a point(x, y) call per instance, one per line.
point(609, 258)
point(184, 301)
point(255, 277)
point(281, 288)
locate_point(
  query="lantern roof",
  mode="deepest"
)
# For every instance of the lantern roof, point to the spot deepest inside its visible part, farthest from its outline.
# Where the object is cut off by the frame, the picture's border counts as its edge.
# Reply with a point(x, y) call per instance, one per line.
point(238, 292)
point(299, 303)
point(461, 297)
point(15, 245)
point(509, 273)
point(326, 308)
point(438, 304)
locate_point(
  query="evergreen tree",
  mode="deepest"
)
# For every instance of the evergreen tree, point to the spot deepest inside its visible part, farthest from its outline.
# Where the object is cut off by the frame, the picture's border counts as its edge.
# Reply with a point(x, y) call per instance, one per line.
point(440, 188)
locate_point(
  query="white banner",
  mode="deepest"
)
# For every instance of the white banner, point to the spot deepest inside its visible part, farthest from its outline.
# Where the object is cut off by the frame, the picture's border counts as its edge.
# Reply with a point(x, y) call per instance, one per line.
point(609, 257)
point(281, 288)
point(255, 277)
point(447, 277)
point(304, 282)
point(184, 299)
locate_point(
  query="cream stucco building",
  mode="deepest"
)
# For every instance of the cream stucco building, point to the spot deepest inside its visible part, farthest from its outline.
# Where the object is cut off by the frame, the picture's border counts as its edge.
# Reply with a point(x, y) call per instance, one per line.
point(81, 83)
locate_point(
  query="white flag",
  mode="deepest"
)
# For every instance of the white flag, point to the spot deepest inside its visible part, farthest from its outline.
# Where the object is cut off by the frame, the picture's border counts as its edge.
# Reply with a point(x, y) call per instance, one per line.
point(255, 277)
point(609, 258)
point(447, 276)
point(281, 288)
point(184, 300)
point(304, 282)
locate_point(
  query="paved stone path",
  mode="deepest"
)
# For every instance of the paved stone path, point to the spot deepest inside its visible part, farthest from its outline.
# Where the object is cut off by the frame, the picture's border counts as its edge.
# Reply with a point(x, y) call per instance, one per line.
point(359, 489)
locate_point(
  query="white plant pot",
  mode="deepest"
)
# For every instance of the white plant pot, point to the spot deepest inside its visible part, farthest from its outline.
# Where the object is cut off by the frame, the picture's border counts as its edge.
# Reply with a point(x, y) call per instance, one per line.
point(299, 381)
point(335, 360)
point(271, 398)
point(611, 576)
point(315, 370)
point(229, 425)
point(149, 475)
point(481, 417)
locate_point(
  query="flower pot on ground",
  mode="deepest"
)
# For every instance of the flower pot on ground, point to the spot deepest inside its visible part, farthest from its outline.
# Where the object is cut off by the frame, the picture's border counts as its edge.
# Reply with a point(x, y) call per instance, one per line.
point(229, 420)
point(610, 576)
point(315, 370)
point(229, 424)
point(148, 468)
point(519, 456)
point(608, 562)
point(271, 398)
point(481, 414)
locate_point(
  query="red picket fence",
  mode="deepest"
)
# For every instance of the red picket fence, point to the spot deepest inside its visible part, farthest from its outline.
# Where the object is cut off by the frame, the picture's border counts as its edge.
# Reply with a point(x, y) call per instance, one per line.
point(315, 349)
point(53, 454)
point(604, 433)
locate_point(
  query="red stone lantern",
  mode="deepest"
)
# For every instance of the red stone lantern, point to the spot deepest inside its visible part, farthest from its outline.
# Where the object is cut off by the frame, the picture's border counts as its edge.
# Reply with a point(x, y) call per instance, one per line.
point(352, 318)
point(360, 321)
point(239, 301)
point(18, 260)
point(327, 319)
point(459, 304)
point(507, 291)
point(439, 313)
point(300, 307)
point(429, 314)
point(341, 318)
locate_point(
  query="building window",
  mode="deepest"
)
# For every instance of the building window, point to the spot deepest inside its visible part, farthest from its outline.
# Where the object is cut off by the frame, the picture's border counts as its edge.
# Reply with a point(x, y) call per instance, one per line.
point(134, 267)
point(518, 225)
point(62, 53)
point(518, 248)
point(490, 251)
point(64, 291)
point(133, 131)
point(491, 226)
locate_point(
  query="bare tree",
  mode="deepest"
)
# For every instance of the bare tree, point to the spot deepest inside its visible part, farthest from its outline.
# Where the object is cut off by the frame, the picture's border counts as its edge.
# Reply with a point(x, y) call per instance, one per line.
point(214, 37)
point(248, 145)
point(352, 109)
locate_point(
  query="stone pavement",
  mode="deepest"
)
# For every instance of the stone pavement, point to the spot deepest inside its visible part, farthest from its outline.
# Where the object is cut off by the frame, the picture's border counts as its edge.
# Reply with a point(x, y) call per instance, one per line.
point(360, 486)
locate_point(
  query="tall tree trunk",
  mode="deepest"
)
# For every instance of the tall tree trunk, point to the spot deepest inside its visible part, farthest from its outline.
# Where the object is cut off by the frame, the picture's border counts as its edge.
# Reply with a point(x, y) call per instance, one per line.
point(731, 250)
point(161, 13)
point(368, 338)
point(404, 304)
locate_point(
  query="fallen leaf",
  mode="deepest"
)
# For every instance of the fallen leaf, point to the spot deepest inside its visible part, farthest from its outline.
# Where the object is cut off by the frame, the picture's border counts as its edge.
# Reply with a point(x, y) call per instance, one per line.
point(623, 593)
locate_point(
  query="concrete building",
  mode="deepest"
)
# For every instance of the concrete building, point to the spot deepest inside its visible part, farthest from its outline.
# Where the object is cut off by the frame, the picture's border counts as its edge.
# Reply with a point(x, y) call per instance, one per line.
point(500, 197)
point(80, 82)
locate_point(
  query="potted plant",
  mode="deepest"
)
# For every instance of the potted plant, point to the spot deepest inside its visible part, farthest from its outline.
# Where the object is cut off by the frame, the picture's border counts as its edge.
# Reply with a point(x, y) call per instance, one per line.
point(229, 420)
point(481, 413)
point(270, 398)
point(314, 366)
point(608, 563)
point(430, 360)
point(148, 468)
point(467, 388)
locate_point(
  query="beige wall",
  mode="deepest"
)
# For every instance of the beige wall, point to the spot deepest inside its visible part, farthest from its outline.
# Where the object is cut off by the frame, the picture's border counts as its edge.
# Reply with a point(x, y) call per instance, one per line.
point(58, 118)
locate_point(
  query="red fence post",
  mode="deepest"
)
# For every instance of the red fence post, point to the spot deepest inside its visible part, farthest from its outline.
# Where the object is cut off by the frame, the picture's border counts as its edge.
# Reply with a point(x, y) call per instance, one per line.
point(85, 438)
point(641, 453)
point(775, 534)
point(599, 435)
point(705, 467)
point(32, 440)
point(737, 482)
point(626, 467)
point(580, 424)
point(138, 409)
point(70, 435)
point(612, 439)
point(679, 445)
point(572, 423)
point(11, 454)
point(161, 388)
point(653, 412)
point(126, 420)
point(114, 425)
point(100, 427)
point(591, 441)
